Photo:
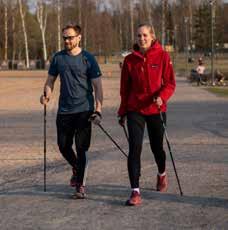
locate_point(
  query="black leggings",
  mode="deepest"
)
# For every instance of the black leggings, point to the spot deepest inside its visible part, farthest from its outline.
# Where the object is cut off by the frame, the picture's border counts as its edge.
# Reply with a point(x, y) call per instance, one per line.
point(74, 126)
point(136, 125)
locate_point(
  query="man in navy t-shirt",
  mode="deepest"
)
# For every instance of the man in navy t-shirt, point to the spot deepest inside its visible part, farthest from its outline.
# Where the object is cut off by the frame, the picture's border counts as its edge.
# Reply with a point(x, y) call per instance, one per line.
point(79, 75)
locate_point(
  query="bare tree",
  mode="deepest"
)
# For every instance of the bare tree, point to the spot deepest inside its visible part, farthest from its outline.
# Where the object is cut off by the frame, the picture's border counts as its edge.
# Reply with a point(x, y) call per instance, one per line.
point(85, 24)
point(13, 36)
point(79, 12)
point(59, 24)
point(132, 20)
point(120, 25)
point(149, 11)
point(22, 14)
point(164, 7)
point(5, 31)
point(41, 14)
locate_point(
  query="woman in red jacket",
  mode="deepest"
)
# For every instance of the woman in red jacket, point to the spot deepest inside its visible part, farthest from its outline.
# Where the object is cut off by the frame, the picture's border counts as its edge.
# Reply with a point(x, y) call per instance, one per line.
point(147, 82)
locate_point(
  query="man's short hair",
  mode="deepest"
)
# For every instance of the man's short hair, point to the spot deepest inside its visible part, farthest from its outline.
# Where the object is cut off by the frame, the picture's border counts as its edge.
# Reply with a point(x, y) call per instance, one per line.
point(76, 28)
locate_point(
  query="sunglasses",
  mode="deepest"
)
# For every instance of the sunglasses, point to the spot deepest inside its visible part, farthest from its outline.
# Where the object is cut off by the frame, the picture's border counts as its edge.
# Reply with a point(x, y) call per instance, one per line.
point(69, 37)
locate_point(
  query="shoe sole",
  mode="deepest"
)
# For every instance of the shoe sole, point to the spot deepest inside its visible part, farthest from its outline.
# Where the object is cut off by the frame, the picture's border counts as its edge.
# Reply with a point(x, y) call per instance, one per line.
point(127, 203)
point(78, 196)
point(162, 190)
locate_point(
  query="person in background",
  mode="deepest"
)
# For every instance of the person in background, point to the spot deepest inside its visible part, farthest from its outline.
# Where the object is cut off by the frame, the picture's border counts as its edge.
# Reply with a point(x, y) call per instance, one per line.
point(147, 83)
point(200, 71)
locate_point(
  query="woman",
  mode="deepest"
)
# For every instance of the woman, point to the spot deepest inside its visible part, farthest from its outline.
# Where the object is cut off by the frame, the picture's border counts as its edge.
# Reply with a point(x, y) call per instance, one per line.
point(147, 82)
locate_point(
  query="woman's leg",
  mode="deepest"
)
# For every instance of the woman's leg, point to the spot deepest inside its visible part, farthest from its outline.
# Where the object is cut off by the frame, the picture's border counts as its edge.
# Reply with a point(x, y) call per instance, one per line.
point(156, 134)
point(136, 125)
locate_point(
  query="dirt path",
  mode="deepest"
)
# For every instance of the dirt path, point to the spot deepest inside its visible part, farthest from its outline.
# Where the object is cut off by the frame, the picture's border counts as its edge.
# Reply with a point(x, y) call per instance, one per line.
point(198, 132)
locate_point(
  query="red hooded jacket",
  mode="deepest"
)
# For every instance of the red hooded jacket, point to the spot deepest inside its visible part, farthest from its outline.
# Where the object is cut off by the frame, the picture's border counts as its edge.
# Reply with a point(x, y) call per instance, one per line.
point(144, 77)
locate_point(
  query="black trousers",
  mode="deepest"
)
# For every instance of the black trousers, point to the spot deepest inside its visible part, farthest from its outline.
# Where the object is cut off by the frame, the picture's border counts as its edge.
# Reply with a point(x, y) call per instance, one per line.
point(74, 127)
point(136, 125)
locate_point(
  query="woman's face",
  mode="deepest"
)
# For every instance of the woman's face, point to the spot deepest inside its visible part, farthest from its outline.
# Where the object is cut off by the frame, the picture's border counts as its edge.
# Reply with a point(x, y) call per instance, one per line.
point(144, 38)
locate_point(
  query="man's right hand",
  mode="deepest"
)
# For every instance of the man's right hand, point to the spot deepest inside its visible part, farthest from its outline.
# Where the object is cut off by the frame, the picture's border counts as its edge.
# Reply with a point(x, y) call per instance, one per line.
point(43, 99)
point(122, 120)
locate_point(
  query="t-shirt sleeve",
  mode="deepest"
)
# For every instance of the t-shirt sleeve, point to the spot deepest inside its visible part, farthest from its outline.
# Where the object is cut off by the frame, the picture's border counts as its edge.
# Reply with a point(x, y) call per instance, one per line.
point(94, 69)
point(53, 69)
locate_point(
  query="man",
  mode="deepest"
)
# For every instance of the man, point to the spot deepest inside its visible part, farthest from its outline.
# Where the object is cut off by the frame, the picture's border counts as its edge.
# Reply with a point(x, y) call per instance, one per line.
point(147, 83)
point(79, 75)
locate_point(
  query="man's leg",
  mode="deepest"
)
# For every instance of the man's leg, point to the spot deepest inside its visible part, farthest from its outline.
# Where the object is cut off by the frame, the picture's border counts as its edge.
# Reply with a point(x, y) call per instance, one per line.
point(65, 134)
point(82, 142)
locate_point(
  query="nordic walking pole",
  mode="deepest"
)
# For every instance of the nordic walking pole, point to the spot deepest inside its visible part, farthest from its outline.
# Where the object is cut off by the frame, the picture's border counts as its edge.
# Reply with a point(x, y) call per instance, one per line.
point(121, 150)
point(125, 132)
point(169, 147)
point(45, 144)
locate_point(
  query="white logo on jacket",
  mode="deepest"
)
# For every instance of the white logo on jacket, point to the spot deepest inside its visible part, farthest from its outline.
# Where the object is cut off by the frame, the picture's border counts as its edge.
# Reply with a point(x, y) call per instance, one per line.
point(154, 65)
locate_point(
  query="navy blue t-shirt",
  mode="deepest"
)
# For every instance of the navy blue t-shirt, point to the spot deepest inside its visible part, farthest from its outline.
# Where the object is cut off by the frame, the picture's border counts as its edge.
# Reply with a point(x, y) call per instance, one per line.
point(76, 72)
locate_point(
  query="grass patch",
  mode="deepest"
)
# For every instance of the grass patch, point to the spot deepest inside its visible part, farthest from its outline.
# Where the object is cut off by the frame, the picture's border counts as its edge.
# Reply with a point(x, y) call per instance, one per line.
point(219, 91)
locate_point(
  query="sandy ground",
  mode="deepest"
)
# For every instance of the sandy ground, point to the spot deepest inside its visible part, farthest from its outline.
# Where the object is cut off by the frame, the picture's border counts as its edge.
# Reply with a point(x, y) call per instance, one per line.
point(198, 132)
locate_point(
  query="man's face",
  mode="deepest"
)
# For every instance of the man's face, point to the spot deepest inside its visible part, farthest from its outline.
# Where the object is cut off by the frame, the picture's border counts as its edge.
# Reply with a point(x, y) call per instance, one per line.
point(71, 39)
point(144, 37)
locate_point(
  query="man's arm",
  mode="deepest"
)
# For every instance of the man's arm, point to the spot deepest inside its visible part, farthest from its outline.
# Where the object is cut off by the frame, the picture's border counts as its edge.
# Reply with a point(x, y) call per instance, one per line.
point(98, 93)
point(48, 88)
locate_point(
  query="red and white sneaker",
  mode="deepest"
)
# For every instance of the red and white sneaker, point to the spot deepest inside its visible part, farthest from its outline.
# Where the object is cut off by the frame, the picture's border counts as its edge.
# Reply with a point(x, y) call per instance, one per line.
point(162, 183)
point(73, 179)
point(135, 199)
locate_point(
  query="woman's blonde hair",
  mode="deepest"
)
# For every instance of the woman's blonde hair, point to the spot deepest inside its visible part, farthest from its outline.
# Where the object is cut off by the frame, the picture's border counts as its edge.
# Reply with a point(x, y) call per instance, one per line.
point(149, 26)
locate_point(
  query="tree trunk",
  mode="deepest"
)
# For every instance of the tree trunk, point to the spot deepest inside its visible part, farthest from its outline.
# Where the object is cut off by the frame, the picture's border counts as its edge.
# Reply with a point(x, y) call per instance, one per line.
point(132, 21)
point(13, 37)
point(79, 12)
point(121, 34)
point(85, 33)
point(190, 24)
point(6, 31)
point(22, 14)
point(163, 21)
point(149, 12)
point(42, 20)
point(59, 25)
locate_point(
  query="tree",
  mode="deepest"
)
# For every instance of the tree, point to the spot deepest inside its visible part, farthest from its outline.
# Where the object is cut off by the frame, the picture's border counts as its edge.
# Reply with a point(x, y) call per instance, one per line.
point(164, 9)
point(59, 24)
point(22, 14)
point(41, 14)
point(132, 20)
point(5, 31)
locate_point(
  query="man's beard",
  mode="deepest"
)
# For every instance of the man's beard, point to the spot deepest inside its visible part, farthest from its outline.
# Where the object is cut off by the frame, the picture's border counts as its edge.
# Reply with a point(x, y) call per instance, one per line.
point(70, 47)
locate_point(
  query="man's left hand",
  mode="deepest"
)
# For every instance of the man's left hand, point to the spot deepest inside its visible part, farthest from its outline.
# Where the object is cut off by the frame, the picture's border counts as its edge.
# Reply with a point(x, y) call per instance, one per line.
point(95, 118)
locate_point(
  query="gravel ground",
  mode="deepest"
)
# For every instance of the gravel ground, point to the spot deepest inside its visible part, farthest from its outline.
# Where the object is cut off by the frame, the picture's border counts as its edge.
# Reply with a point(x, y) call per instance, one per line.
point(198, 132)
